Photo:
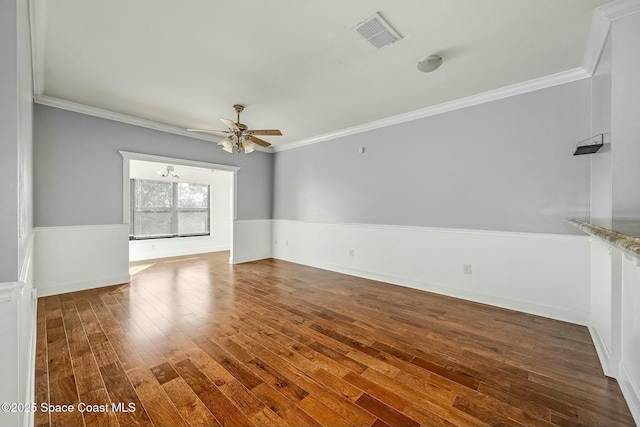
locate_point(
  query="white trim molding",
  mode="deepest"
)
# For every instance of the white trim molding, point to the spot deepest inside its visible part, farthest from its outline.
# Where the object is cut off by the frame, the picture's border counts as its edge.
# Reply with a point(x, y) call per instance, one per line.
point(30, 388)
point(126, 118)
point(83, 285)
point(514, 270)
point(127, 156)
point(11, 291)
point(38, 29)
point(74, 258)
point(600, 26)
point(63, 228)
point(18, 338)
point(27, 322)
point(250, 240)
point(17, 331)
point(630, 391)
point(460, 231)
point(619, 9)
point(601, 22)
point(470, 101)
point(603, 16)
point(602, 351)
point(27, 263)
point(119, 117)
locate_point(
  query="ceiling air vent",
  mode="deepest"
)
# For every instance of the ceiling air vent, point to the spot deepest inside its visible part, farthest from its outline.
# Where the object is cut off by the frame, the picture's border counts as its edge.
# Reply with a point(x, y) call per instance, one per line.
point(377, 31)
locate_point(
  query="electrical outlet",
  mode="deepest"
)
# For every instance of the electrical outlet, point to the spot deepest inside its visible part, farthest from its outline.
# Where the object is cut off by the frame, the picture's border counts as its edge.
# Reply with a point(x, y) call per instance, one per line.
point(275, 241)
point(352, 252)
point(466, 268)
point(286, 243)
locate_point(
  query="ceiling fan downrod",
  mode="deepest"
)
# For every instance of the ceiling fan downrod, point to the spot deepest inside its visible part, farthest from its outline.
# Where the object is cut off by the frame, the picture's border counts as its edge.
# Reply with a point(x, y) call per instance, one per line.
point(239, 109)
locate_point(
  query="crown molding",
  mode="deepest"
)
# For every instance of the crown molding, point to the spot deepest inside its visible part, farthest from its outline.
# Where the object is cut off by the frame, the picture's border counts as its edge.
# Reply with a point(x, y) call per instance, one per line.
point(125, 118)
point(603, 16)
point(494, 95)
point(119, 117)
point(601, 23)
point(501, 93)
point(600, 26)
point(619, 9)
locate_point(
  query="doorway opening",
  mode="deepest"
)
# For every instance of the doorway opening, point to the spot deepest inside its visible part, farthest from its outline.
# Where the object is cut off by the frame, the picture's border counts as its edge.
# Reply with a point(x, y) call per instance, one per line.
point(177, 207)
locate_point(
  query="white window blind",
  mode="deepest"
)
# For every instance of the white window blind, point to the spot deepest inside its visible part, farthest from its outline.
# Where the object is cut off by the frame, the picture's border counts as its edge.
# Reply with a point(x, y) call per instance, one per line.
point(169, 209)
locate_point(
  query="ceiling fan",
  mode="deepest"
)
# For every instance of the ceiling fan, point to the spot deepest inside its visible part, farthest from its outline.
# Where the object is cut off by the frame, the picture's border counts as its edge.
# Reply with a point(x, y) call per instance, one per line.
point(238, 136)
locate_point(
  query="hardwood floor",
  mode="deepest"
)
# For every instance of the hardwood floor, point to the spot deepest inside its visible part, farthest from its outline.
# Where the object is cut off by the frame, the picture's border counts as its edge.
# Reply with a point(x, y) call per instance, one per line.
point(195, 341)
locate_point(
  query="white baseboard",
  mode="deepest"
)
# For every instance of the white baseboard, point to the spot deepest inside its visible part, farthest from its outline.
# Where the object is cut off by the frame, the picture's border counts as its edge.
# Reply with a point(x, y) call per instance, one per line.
point(603, 352)
point(576, 317)
point(631, 391)
point(248, 258)
point(541, 274)
point(83, 286)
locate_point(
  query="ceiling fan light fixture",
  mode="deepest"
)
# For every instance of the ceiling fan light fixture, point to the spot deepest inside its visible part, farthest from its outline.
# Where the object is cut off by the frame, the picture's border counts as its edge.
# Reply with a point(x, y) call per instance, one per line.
point(430, 63)
point(225, 141)
point(227, 144)
point(249, 146)
point(170, 171)
point(239, 137)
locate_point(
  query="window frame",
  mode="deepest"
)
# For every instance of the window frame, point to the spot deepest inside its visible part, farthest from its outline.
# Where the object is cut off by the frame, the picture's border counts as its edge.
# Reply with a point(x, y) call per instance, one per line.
point(128, 156)
point(174, 210)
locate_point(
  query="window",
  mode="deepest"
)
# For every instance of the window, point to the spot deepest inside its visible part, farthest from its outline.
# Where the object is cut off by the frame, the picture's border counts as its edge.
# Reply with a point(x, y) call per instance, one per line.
point(168, 209)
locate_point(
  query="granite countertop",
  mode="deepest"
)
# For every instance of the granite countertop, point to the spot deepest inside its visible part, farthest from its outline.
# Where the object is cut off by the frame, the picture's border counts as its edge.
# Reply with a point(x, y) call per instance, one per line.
point(622, 233)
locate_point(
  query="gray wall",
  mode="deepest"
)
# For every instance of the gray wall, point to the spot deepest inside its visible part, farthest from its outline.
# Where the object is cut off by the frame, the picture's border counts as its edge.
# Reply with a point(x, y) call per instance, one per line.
point(78, 169)
point(16, 92)
point(16, 200)
point(625, 126)
point(504, 165)
point(8, 142)
point(601, 184)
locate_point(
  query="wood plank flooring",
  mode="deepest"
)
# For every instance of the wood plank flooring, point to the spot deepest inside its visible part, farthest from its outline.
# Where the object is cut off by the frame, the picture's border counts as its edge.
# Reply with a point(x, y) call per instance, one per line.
point(195, 341)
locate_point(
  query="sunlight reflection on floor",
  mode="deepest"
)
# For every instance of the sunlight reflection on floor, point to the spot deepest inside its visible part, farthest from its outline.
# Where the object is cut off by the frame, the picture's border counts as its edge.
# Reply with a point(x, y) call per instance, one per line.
point(134, 269)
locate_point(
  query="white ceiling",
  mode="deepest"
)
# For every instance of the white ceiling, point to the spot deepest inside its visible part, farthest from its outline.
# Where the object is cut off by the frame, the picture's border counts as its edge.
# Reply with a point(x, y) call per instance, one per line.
point(296, 65)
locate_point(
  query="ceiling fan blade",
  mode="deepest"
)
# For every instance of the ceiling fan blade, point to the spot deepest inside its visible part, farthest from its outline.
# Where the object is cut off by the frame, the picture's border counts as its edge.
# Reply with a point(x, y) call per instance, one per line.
point(211, 131)
point(275, 132)
point(230, 124)
point(259, 141)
